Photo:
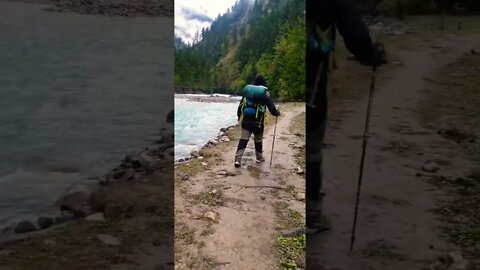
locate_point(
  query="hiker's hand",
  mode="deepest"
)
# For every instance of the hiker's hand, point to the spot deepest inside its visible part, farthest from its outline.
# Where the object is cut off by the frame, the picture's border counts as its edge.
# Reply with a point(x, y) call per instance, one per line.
point(378, 57)
point(277, 114)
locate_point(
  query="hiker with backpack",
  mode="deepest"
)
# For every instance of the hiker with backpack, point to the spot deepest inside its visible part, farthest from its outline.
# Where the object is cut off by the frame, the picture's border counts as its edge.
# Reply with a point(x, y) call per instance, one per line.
point(323, 18)
point(251, 115)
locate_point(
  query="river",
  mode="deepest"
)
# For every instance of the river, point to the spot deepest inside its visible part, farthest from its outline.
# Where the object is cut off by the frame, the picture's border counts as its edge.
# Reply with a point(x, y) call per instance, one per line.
point(77, 93)
point(198, 122)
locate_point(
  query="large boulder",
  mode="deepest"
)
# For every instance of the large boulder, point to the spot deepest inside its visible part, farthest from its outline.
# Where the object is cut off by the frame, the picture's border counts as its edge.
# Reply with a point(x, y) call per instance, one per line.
point(25, 226)
point(99, 217)
point(75, 203)
point(124, 175)
point(108, 239)
point(431, 166)
point(171, 117)
point(45, 222)
point(98, 200)
point(148, 162)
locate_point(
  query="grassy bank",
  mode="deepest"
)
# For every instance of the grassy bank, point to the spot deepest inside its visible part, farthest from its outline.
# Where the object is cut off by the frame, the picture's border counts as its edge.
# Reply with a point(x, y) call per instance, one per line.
point(291, 250)
point(138, 216)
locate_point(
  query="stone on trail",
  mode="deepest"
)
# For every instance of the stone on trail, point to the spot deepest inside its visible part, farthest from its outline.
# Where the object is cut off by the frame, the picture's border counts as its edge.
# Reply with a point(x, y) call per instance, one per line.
point(204, 164)
point(24, 227)
point(225, 139)
point(108, 239)
point(226, 173)
point(475, 174)
point(300, 196)
point(299, 171)
point(431, 166)
point(222, 172)
point(45, 222)
point(458, 261)
point(185, 177)
point(6, 252)
point(211, 215)
point(96, 217)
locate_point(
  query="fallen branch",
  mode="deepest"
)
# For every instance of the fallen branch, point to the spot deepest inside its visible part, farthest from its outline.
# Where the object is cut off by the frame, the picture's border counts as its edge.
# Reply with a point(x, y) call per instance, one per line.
point(262, 186)
point(243, 210)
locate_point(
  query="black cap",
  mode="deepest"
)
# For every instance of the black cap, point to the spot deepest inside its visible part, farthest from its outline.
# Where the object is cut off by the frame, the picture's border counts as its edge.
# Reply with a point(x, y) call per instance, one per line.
point(260, 80)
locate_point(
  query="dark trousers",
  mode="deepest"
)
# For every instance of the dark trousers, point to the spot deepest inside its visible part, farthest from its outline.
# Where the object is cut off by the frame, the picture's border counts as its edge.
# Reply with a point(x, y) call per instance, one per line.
point(316, 117)
point(245, 135)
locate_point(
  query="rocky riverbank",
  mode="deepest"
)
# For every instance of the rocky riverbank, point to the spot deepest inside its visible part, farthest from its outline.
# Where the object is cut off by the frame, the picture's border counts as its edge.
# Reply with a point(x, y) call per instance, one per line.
point(221, 137)
point(188, 90)
point(83, 199)
point(212, 98)
point(124, 8)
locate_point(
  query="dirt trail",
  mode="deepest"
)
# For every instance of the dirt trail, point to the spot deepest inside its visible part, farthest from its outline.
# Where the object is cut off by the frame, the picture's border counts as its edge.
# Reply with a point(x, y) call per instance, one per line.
point(241, 234)
point(396, 228)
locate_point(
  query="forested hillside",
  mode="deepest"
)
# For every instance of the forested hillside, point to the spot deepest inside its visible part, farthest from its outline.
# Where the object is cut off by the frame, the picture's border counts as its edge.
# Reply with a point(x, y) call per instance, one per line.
point(266, 37)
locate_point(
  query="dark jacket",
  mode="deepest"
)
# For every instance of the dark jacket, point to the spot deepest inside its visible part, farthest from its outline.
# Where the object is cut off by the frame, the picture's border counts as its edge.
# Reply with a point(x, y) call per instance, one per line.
point(343, 15)
point(256, 124)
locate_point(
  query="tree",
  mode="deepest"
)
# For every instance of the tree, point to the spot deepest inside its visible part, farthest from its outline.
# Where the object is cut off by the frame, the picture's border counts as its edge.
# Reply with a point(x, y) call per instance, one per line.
point(285, 67)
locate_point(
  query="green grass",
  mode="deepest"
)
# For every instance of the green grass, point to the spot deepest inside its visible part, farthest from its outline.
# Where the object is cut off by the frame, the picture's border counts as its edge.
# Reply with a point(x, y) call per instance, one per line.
point(211, 197)
point(290, 249)
point(184, 234)
point(72, 247)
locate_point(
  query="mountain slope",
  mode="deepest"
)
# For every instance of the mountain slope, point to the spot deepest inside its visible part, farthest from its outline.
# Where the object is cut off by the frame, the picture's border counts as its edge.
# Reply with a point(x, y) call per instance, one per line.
point(260, 37)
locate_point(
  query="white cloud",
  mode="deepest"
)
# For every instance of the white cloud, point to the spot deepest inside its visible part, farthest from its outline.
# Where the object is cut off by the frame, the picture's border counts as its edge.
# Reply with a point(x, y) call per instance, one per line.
point(191, 15)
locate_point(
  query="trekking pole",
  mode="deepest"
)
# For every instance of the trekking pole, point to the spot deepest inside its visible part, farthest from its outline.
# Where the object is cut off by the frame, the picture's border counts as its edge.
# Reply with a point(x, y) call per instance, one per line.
point(273, 142)
point(364, 147)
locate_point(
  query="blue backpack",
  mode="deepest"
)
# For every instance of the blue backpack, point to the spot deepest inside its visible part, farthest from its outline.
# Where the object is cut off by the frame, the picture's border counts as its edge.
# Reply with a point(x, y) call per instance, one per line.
point(253, 97)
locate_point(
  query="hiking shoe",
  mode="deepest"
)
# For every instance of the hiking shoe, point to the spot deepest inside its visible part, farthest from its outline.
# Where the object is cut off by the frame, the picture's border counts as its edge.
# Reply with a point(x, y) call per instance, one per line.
point(321, 226)
point(303, 230)
point(238, 161)
point(260, 159)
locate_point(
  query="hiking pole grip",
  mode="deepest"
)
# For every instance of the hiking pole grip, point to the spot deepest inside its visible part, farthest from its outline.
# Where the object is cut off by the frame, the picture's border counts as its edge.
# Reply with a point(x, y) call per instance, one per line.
point(362, 160)
point(313, 97)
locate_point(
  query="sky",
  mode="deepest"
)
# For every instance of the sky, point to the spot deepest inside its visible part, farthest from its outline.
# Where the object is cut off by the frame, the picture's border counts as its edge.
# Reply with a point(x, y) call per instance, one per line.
point(192, 15)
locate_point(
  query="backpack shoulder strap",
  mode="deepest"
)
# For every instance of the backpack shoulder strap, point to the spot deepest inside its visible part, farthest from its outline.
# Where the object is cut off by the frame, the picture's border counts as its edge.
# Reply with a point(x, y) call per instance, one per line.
point(327, 43)
point(244, 103)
